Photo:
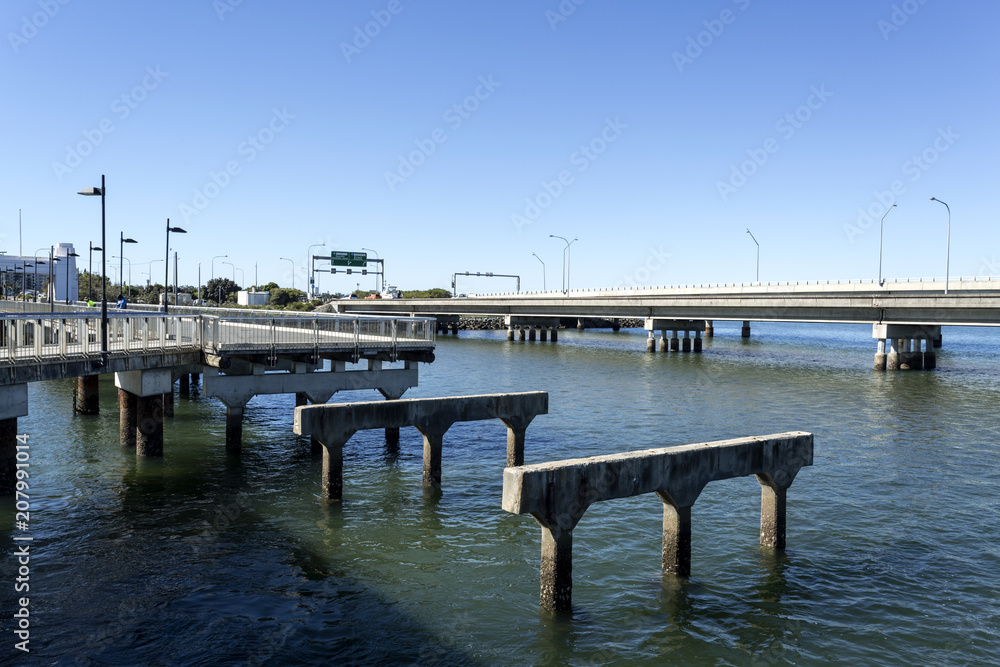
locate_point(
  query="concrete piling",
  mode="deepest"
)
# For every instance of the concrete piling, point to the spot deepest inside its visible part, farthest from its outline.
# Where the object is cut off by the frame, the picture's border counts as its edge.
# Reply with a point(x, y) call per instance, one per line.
point(510, 333)
point(149, 426)
point(745, 331)
point(556, 580)
point(520, 334)
point(892, 357)
point(543, 334)
point(675, 342)
point(709, 329)
point(880, 355)
point(168, 403)
point(697, 341)
point(676, 548)
point(8, 456)
point(686, 342)
point(651, 341)
point(128, 411)
point(184, 384)
point(555, 334)
point(531, 333)
point(432, 456)
point(234, 429)
point(87, 395)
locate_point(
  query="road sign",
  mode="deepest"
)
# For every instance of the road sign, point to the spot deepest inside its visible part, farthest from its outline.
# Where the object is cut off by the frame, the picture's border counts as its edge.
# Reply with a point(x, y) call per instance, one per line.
point(342, 258)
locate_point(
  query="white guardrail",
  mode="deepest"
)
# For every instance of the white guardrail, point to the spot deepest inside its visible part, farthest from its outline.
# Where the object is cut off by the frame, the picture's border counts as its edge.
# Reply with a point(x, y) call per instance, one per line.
point(34, 337)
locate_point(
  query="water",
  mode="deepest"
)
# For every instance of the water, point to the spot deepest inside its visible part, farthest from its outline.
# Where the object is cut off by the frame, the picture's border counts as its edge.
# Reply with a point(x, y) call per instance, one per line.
point(205, 559)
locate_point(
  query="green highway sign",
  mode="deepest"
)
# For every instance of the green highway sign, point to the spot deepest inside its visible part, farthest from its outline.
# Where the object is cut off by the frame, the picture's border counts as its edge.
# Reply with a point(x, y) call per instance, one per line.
point(341, 258)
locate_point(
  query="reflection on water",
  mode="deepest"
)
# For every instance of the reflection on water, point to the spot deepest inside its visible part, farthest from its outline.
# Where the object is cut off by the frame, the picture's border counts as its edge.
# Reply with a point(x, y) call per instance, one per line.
point(201, 554)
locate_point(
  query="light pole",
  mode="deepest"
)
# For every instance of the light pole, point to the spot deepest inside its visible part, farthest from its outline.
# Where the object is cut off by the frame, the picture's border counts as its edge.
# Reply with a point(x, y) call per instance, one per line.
point(234, 269)
point(379, 264)
point(213, 273)
point(91, 192)
point(947, 245)
point(243, 276)
point(166, 261)
point(293, 270)
point(123, 273)
point(566, 255)
point(880, 222)
point(543, 271)
point(34, 278)
point(758, 256)
point(309, 263)
point(90, 271)
point(68, 255)
point(121, 252)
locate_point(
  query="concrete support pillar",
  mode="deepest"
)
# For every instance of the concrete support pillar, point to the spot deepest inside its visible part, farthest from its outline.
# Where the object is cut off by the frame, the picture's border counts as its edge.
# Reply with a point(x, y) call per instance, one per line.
point(916, 355)
point(709, 329)
point(616, 324)
point(543, 334)
point(520, 334)
point(772, 514)
point(168, 404)
point(555, 334)
point(675, 343)
point(333, 471)
point(651, 342)
point(515, 447)
point(892, 358)
point(184, 384)
point(676, 540)
point(686, 342)
point(938, 341)
point(454, 329)
point(697, 341)
point(149, 426)
point(234, 429)
point(194, 379)
point(316, 447)
point(930, 359)
point(432, 458)
point(557, 569)
point(510, 333)
point(664, 342)
point(880, 355)
point(745, 332)
point(128, 412)
point(8, 456)
point(905, 354)
point(579, 324)
point(87, 395)
point(531, 333)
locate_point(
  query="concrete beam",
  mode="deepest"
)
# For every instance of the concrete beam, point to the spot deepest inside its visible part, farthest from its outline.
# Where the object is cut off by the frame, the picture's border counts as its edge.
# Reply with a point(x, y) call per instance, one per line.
point(557, 494)
point(881, 330)
point(13, 401)
point(237, 390)
point(661, 324)
point(147, 382)
point(529, 321)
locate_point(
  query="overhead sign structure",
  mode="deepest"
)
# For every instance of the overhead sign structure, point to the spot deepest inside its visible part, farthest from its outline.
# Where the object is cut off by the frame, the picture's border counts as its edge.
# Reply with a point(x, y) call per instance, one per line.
point(355, 259)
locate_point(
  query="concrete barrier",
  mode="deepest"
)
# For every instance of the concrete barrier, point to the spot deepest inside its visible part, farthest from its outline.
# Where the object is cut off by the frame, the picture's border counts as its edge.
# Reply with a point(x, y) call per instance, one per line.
point(334, 424)
point(557, 494)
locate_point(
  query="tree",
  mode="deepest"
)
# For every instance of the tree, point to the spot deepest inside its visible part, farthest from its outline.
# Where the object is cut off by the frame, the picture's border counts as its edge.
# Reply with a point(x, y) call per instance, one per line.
point(224, 286)
point(268, 287)
point(281, 296)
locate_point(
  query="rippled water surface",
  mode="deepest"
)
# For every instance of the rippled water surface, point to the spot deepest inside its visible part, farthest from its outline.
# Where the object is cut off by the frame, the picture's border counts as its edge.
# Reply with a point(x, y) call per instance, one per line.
point(204, 558)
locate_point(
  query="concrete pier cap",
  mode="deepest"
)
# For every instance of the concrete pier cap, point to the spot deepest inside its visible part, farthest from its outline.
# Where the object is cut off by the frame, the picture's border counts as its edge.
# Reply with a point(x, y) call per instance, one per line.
point(883, 330)
point(13, 401)
point(660, 324)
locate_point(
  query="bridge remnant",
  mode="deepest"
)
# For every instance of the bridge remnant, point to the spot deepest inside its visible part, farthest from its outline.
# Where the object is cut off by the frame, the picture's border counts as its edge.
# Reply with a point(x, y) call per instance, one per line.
point(557, 494)
point(335, 424)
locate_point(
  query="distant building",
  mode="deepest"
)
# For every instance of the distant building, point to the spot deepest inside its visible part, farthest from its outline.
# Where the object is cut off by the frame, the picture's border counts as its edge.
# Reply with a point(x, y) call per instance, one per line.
point(245, 298)
point(35, 273)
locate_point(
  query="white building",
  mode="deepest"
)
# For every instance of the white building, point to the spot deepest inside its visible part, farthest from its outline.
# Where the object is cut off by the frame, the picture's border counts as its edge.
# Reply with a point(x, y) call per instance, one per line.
point(34, 273)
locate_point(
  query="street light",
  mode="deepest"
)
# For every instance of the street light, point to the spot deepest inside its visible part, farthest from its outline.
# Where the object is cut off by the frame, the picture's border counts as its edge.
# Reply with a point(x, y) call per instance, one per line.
point(947, 246)
point(121, 269)
point(758, 256)
point(880, 242)
point(68, 255)
point(566, 255)
point(166, 261)
point(242, 276)
point(543, 271)
point(309, 263)
point(379, 264)
point(93, 192)
point(293, 270)
point(34, 277)
point(123, 273)
point(213, 273)
point(234, 269)
point(90, 271)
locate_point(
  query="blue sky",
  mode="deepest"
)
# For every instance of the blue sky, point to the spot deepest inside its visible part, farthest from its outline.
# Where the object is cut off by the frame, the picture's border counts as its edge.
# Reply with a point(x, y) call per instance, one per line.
point(457, 136)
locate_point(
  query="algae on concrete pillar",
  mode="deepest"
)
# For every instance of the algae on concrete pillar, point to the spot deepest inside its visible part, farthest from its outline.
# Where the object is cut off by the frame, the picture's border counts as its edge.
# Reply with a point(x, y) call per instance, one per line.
point(676, 552)
point(664, 342)
point(87, 395)
point(333, 471)
point(234, 429)
point(149, 426)
point(892, 358)
point(880, 355)
point(772, 512)
point(557, 569)
point(128, 408)
point(8, 456)
point(432, 457)
point(651, 341)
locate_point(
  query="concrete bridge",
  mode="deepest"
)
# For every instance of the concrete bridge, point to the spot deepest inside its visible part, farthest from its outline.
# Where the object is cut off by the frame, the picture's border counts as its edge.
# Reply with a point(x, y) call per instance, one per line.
point(258, 352)
point(906, 316)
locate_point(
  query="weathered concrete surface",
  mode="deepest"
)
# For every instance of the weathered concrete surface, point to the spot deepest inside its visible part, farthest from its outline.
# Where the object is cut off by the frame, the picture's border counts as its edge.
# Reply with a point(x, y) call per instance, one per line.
point(87, 395)
point(128, 408)
point(662, 324)
point(557, 494)
point(335, 424)
point(8, 456)
point(146, 382)
point(13, 401)
point(149, 426)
